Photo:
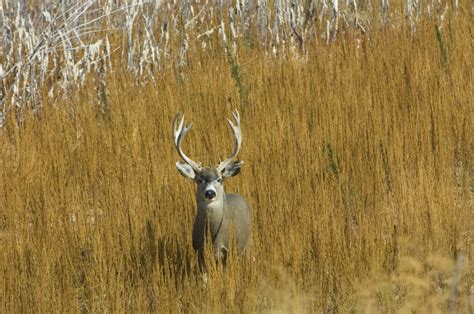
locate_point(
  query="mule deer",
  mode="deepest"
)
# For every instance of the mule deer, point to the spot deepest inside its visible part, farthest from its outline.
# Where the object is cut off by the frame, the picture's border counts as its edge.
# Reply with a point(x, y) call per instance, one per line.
point(226, 215)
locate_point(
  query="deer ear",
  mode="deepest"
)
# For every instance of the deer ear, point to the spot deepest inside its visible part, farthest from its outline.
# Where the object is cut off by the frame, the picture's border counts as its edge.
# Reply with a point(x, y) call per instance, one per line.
point(232, 169)
point(185, 170)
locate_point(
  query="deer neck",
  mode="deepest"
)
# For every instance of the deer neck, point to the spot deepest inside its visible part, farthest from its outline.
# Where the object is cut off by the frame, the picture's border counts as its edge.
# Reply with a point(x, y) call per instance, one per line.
point(215, 212)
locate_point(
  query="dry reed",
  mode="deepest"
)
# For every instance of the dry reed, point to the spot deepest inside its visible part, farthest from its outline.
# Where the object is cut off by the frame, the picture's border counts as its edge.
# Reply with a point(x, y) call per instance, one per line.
point(358, 164)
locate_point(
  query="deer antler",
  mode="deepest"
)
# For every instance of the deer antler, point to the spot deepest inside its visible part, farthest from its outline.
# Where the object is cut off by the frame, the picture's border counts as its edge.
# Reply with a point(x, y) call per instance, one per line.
point(237, 140)
point(180, 129)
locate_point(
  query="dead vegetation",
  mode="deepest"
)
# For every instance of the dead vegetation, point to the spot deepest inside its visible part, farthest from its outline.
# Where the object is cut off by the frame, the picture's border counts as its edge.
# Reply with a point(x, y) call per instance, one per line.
point(358, 164)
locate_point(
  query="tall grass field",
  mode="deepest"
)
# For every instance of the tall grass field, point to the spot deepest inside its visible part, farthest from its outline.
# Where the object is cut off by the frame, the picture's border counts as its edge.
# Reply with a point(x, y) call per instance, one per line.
point(358, 145)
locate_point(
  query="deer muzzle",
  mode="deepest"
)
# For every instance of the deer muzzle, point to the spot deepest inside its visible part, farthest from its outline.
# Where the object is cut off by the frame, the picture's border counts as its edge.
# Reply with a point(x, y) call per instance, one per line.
point(210, 194)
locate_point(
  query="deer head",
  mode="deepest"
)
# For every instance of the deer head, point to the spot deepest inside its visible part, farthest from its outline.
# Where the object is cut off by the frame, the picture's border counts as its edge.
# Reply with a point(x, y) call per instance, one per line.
point(209, 179)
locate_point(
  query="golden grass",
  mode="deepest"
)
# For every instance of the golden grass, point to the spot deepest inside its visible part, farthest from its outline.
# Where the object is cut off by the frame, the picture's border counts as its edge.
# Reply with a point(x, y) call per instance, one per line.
point(358, 164)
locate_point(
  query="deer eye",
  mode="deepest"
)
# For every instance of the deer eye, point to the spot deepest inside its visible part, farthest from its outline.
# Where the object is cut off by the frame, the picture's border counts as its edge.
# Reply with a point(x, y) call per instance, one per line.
point(200, 180)
point(219, 180)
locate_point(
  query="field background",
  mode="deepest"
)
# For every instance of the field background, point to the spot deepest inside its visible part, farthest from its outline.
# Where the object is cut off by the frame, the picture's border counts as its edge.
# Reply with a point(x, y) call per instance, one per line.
point(358, 164)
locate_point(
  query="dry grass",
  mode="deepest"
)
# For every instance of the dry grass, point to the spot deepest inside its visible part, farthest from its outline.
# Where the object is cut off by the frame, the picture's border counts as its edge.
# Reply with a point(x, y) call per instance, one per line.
point(358, 164)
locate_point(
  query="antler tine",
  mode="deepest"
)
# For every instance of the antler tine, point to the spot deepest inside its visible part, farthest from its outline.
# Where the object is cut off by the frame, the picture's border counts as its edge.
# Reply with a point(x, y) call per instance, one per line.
point(237, 133)
point(180, 129)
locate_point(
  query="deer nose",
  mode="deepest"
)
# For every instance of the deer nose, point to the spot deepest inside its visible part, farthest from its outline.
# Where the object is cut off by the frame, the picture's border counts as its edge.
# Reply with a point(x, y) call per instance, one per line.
point(210, 194)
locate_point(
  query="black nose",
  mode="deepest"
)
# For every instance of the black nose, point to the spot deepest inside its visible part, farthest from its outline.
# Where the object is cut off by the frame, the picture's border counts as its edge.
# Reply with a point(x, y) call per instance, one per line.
point(210, 194)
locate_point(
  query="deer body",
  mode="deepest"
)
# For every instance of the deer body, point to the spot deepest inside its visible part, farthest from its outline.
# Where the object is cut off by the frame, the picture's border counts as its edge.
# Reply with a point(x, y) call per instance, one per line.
point(228, 216)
